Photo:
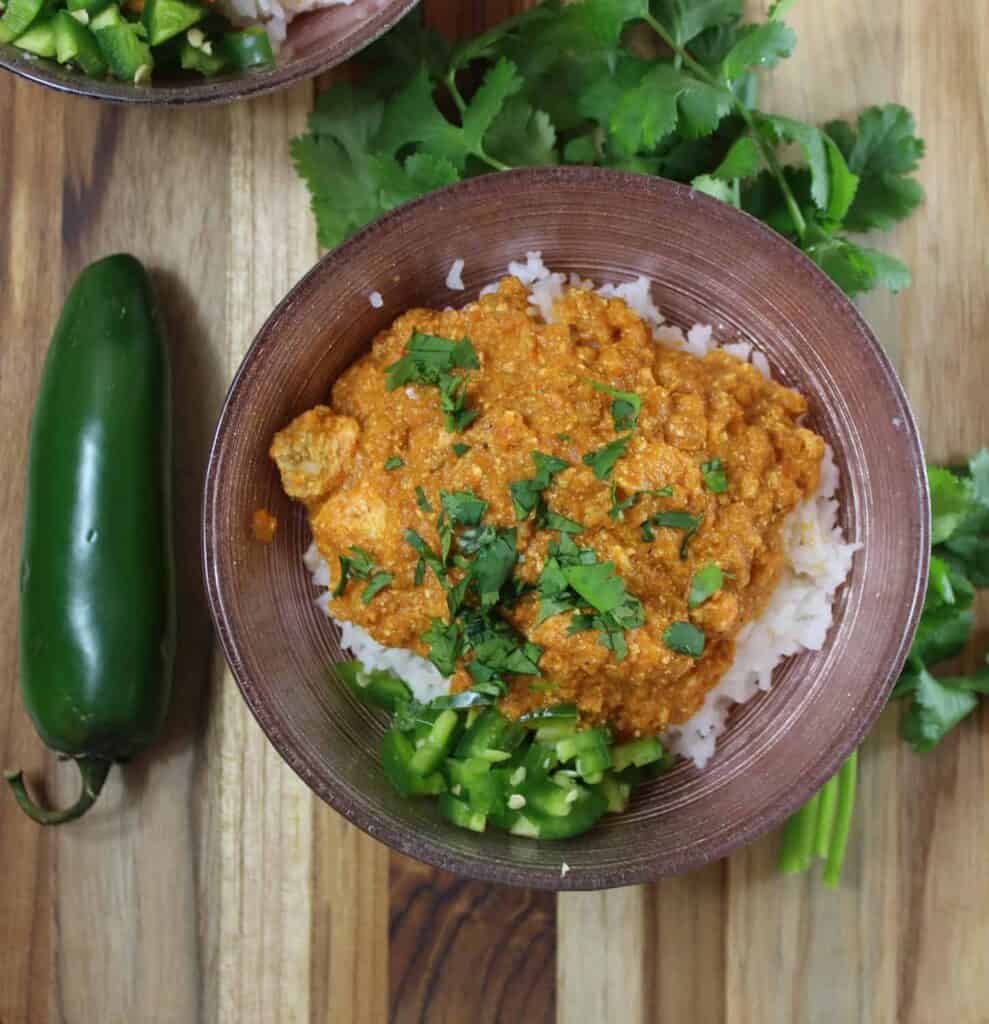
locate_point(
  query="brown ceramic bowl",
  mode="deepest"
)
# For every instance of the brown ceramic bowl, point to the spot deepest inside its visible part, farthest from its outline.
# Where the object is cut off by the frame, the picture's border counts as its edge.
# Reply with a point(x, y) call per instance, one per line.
point(316, 42)
point(708, 263)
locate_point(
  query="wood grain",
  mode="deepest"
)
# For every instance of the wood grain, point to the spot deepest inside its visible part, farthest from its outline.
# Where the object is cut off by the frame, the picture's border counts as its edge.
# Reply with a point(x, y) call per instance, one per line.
point(905, 938)
point(209, 886)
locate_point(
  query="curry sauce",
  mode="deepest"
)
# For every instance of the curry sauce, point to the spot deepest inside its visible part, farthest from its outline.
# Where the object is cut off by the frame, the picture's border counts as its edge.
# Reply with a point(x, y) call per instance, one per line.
point(373, 465)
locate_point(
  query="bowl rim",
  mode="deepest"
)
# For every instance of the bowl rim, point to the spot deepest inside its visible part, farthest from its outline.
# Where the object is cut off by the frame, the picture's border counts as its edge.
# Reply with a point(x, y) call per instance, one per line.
point(215, 91)
point(421, 845)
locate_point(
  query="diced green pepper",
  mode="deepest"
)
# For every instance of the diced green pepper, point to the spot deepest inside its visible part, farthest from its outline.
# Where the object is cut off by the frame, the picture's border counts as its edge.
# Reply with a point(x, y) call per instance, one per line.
point(91, 7)
point(193, 58)
point(396, 759)
point(249, 48)
point(377, 687)
point(615, 791)
point(584, 813)
point(435, 745)
point(637, 752)
point(39, 39)
point(127, 54)
point(590, 750)
point(76, 44)
point(461, 814)
point(483, 735)
point(165, 19)
point(18, 18)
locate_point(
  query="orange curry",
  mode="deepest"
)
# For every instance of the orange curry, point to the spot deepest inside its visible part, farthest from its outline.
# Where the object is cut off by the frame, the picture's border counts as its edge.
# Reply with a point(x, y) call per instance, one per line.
point(712, 441)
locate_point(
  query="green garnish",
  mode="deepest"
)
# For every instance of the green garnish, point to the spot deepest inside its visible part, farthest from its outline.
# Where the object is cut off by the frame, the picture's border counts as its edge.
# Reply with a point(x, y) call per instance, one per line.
point(527, 494)
point(715, 479)
point(619, 506)
point(422, 501)
point(602, 461)
point(446, 644)
point(395, 462)
point(463, 508)
point(431, 360)
point(427, 556)
point(684, 638)
point(573, 580)
point(705, 584)
point(460, 449)
point(567, 84)
point(359, 564)
point(377, 583)
point(625, 408)
point(564, 438)
point(673, 520)
point(554, 521)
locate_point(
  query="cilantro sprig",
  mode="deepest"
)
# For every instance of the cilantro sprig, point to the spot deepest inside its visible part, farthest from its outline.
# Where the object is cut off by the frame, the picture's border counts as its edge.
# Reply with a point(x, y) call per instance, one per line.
point(359, 564)
point(566, 84)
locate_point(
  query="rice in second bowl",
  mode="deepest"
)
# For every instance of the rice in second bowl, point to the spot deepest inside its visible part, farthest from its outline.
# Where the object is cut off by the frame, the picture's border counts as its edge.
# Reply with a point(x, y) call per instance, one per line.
point(799, 612)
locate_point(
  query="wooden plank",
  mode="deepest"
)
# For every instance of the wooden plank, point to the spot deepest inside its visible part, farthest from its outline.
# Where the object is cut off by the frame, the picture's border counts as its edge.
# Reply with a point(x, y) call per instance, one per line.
point(29, 236)
point(462, 950)
point(467, 951)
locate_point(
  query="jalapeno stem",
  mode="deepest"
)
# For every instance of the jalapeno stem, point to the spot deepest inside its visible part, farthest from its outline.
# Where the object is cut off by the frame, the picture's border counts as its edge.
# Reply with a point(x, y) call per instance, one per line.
point(93, 770)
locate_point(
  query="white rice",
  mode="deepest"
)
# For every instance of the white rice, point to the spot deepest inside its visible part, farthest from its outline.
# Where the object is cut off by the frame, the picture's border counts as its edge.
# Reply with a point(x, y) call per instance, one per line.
point(376, 300)
point(799, 613)
point(272, 15)
point(455, 279)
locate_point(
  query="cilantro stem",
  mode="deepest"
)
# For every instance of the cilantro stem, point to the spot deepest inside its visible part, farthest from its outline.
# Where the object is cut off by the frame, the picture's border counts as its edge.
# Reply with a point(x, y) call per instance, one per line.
point(767, 151)
point(847, 778)
point(450, 80)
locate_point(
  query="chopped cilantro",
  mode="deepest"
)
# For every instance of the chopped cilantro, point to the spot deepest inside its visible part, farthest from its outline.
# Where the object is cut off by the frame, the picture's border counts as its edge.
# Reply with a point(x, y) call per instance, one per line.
point(427, 358)
point(377, 583)
point(463, 508)
point(420, 574)
point(493, 565)
point(602, 461)
point(431, 360)
point(705, 584)
point(395, 462)
point(673, 520)
point(564, 438)
point(625, 407)
point(427, 555)
point(715, 479)
point(359, 565)
point(551, 520)
point(460, 449)
point(619, 506)
point(422, 501)
point(526, 494)
point(573, 580)
point(446, 644)
point(684, 638)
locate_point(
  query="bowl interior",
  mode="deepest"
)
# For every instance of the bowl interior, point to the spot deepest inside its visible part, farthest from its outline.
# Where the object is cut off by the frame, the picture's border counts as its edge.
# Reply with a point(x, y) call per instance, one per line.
point(708, 263)
point(317, 41)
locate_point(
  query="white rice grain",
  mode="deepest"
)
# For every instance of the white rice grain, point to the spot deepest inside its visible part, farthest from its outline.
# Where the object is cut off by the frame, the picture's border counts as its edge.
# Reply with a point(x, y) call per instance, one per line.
point(455, 279)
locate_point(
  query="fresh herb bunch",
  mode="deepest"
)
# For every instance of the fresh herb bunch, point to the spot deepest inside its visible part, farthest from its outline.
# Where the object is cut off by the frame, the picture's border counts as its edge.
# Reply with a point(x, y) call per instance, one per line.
point(666, 87)
point(935, 704)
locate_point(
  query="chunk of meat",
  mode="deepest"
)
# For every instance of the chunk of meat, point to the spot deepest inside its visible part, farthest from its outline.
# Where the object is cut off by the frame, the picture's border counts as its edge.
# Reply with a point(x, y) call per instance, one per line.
point(315, 452)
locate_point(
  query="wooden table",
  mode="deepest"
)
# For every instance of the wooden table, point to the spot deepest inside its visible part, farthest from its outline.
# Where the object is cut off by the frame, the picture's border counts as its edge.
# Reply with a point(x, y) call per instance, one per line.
point(209, 885)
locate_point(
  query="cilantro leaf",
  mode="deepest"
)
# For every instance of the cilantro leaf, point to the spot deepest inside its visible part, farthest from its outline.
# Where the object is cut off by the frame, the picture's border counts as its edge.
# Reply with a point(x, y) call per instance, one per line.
point(554, 521)
point(705, 584)
point(882, 150)
point(394, 462)
point(742, 160)
point(377, 583)
point(951, 502)
point(674, 520)
point(463, 508)
point(359, 564)
point(493, 566)
point(527, 494)
point(522, 135)
point(715, 478)
point(422, 501)
point(857, 268)
point(446, 644)
point(602, 461)
point(427, 554)
point(684, 638)
point(427, 357)
point(460, 449)
point(686, 19)
point(713, 187)
point(625, 408)
point(762, 45)
point(938, 705)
